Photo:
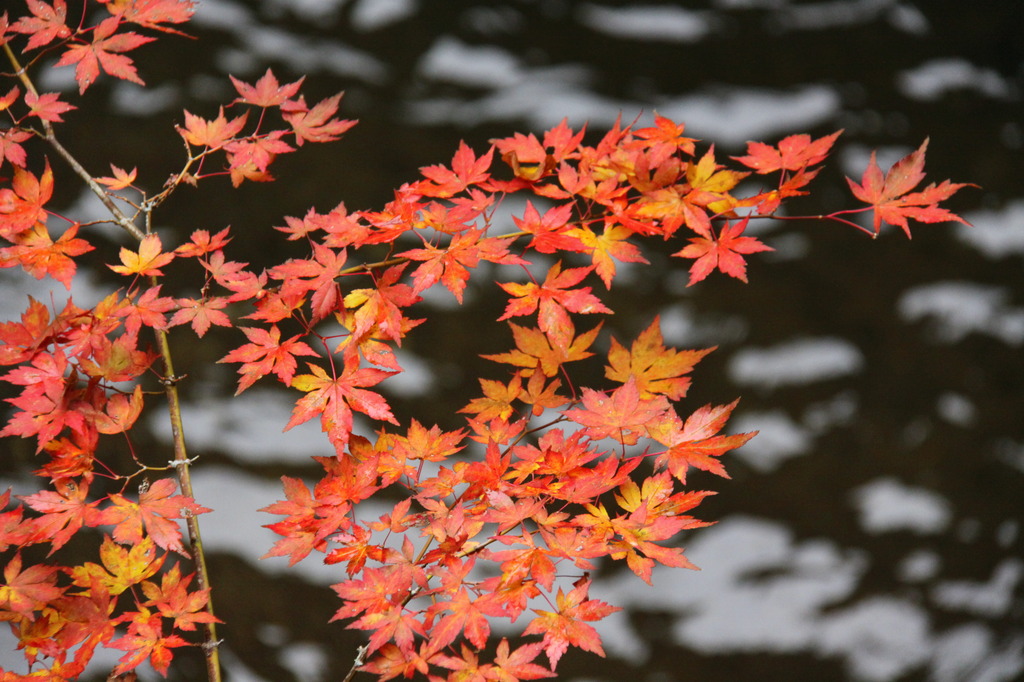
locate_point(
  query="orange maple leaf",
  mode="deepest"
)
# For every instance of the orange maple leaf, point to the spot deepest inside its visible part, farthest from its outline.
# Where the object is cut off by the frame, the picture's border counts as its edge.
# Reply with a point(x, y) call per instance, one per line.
point(656, 369)
point(334, 398)
point(890, 198)
point(724, 252)
point(565, 626)
point(146, 261)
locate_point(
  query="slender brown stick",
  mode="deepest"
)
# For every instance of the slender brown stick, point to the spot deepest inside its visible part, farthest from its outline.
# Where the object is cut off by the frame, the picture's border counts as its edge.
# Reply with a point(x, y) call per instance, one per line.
point(181, 463)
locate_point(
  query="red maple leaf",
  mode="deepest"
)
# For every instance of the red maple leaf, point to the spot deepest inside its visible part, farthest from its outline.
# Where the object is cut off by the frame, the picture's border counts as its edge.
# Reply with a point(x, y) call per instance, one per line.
point(518, 665)
point(552, 231)
point(174, 600)
point(316, 124)
point(696, 442)
point(265, 354)
point(145, 640)
point(724, 252)
point(40, 256)
point(668, 134)
point(553, 299)
point(64, 512)
point(104, 51)
point(47, 106)
point(10, 145)
point(30, 590)
point(623, 415)
point(565, 627)
point(450, 264)
point(334, 397)
point(466, 170)
point(300, 529)
point(153, 13)
point(46, 24)
point(468, 615)
point(21, 205)
point(201, 132)
point(890, 198)
point(156, 512)
point(318, 275)
point(267, 92)
point(793, 153)
point(201, 313)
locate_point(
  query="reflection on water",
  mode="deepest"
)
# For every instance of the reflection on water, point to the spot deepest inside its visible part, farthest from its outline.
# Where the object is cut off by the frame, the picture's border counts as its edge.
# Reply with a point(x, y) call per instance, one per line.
point(873, 530)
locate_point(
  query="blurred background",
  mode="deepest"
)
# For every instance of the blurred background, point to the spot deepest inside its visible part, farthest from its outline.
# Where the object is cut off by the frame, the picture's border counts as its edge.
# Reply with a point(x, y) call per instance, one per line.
point(872, 531)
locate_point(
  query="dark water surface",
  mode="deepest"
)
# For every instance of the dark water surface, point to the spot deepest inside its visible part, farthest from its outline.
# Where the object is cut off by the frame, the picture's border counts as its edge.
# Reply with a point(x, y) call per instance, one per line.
point(873, 530)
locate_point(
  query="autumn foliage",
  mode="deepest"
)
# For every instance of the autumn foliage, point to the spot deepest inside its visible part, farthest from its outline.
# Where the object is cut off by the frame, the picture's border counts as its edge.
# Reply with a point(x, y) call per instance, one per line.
point(502, 518)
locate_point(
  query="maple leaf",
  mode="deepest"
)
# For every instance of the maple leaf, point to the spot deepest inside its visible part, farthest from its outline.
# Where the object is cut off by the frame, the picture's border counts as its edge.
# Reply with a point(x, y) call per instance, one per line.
point(334, 398)
point(24, 592)
point(265, 354)
point(152, 13)
point(724, 252)
point(380, 307)
point(104, 51)
point(64, 512)
point(450, 264)
point(145, 262)
point(156, 511)
point(47, 106)
point(497, 400)
point(10, 145)
point(122, 566)
point(201, 242)
point(666, 133)
point(695, 443)
point(40, 256)
point(267, 92)
point(655, 368)
point(173, 600)
point(611, 242)
point(145, 640)
point(317, 275)
point(623, 415)
point(46, 403)
point(431, 445)
point(200, 132)
point(21, 205)
point(552, 231)
point(149, 310)
point(46, 24)
point(553, 299)
point(256, 152)
point(201, 313)
point(535, 349)
point(316, 124)
point(518, 665)
point(793, 153)
point(301, 526)
point(890, 199)
point(565, 626)
point(121, 179)
point(466, 170)
point(468, 616)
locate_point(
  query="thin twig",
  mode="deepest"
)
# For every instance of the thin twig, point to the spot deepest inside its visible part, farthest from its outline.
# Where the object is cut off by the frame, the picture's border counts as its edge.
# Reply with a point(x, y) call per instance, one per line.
point(182, 467)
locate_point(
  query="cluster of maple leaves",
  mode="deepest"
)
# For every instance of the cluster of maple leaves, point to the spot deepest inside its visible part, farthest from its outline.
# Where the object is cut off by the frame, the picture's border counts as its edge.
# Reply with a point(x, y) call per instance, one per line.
point(503, 518)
